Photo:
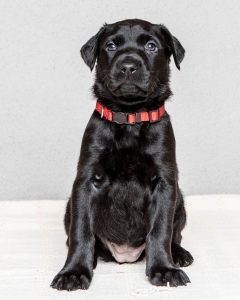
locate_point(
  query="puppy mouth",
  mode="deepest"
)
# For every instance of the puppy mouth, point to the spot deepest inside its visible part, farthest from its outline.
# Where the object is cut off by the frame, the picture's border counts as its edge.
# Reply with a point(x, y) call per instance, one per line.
point(128, 90)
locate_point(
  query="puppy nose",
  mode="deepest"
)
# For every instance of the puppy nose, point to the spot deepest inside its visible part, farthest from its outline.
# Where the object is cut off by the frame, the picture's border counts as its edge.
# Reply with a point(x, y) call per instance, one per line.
point(128, 68)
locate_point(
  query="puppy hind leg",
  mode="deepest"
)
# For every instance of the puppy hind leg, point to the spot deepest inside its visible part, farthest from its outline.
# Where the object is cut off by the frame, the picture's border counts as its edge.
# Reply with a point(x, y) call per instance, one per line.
point(181, 257)
point(102, 252)
point(67, 220)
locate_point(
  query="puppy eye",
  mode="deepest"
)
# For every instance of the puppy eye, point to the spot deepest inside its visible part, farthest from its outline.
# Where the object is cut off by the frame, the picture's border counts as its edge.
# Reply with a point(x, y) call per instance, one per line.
point(98, 176)
point(151, 46)
point(111, 46)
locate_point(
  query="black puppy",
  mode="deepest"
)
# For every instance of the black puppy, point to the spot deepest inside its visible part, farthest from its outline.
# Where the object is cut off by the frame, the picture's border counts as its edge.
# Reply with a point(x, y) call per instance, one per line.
point(125, 200)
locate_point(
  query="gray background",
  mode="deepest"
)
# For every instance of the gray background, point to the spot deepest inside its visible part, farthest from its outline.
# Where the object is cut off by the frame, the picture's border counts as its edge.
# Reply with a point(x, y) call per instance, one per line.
point(46, 100)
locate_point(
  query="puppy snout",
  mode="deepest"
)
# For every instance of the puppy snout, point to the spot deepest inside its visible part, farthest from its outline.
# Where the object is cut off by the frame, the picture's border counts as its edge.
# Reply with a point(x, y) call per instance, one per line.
point(128, 67)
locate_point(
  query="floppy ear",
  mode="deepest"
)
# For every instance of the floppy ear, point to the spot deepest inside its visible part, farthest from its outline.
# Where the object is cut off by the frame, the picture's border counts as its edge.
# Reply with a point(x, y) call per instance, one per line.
point(175, 47)
point(89, 51)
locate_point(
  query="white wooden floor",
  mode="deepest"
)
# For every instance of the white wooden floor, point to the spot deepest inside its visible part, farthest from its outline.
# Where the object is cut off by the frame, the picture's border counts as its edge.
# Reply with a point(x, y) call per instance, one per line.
point(33, 250)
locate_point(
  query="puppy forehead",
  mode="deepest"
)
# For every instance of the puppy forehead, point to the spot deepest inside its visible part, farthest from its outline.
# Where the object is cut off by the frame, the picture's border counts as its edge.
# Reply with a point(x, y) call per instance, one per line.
point(130, 32)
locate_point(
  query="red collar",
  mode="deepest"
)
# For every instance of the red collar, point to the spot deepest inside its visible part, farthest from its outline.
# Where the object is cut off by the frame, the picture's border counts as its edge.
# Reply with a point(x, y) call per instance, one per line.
point(130, 118)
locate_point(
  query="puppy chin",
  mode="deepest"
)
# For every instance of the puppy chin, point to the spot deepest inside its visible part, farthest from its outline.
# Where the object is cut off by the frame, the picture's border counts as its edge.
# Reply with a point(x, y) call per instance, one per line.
point(128, 95)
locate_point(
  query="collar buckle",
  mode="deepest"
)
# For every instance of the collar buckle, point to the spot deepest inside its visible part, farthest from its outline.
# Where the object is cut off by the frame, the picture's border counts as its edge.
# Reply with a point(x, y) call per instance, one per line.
point(119, 118)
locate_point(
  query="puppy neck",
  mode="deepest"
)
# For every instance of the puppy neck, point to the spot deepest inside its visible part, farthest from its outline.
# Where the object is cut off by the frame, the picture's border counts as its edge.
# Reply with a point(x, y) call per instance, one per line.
point(149, 104)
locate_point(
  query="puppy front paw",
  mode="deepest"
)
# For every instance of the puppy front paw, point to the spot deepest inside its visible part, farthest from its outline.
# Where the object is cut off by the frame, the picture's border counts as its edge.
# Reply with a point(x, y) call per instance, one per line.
point(161, 276)
point(71, 281)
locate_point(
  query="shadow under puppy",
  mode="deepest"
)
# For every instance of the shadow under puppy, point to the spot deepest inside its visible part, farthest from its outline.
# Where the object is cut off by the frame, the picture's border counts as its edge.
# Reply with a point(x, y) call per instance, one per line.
point(126, 202)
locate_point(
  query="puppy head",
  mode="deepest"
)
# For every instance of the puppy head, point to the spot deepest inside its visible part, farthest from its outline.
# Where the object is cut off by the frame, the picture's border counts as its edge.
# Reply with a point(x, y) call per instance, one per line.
point(132, 60)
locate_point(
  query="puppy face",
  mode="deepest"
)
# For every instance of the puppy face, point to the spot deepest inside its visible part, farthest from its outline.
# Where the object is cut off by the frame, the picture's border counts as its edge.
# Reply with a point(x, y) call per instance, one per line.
point(132, 60)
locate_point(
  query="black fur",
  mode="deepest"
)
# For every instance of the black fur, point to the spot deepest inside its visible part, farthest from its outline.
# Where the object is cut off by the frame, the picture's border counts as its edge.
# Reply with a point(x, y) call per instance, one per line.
point(126, 189)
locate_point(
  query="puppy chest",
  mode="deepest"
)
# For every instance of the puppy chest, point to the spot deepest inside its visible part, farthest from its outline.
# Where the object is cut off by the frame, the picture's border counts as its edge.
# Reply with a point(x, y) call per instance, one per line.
point(125, 165)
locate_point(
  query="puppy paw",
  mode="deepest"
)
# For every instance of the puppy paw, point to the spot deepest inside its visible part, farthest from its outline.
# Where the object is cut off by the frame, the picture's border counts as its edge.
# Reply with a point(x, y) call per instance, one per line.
point(181, 257)
point(71, 281)
point(174, 277)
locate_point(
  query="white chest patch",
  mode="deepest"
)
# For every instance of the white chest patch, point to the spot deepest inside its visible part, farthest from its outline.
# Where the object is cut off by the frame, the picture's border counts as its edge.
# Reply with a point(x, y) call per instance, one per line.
point(124, 253)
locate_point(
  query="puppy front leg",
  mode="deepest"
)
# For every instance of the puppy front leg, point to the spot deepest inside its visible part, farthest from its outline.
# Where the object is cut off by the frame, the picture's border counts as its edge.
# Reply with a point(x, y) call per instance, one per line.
point(78, 269)
point(160, 267)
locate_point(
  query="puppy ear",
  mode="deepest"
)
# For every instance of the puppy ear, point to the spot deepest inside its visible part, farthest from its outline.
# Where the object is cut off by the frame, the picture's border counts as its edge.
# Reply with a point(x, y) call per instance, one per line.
point(175, 47)
point(89, 51)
